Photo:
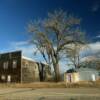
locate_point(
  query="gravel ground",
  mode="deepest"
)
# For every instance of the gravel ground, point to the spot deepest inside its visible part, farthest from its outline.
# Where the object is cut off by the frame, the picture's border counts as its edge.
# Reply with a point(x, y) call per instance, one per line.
point(50, 94)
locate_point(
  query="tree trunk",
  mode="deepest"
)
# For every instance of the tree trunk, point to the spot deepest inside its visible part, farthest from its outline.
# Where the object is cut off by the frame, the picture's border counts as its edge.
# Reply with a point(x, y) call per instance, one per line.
point(57, 72)
point(56, 66)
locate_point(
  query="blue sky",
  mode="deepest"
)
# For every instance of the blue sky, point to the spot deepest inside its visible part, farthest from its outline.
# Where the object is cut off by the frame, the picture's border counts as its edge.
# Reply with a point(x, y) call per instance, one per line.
point(16, 14)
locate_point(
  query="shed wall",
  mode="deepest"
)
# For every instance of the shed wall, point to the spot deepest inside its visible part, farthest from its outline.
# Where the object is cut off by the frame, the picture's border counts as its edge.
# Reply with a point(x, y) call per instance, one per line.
point(87, 75)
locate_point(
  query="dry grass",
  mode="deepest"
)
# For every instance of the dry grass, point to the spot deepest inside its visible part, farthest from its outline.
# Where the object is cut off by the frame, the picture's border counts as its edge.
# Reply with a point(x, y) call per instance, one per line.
point(35, 85)
point(52, 85)
point(42, 85)
point(84, 84)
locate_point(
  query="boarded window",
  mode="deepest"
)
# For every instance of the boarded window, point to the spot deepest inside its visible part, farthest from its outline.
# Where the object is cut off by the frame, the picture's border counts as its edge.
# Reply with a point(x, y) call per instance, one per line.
point(26, 65)
point(3, 77)
point(8, 78)
point(14, 63)
point(5, 65)
point(23, 63)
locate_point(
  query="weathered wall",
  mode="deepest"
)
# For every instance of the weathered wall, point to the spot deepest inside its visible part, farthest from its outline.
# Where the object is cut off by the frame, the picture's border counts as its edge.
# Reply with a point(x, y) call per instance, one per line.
point(30, 71)
point(14, 73)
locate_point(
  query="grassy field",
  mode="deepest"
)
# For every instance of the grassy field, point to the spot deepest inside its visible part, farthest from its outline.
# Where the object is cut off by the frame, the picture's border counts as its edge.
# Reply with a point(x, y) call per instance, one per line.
point(51, 85)
point(50, 91)
point(34, 85)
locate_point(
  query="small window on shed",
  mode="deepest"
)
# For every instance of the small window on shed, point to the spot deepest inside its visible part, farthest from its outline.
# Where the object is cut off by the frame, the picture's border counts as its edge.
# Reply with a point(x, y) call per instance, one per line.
point(14, 63)
point(5, 65)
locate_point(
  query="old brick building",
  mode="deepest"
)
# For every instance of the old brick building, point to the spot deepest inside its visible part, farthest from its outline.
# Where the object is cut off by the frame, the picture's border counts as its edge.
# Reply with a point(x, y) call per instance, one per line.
point(16, 68)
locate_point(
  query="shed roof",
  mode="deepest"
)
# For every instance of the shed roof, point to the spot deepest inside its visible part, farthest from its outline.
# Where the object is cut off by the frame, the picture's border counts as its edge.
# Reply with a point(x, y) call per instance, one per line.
point(85, 69)
point(80, 70)
point(30, 59)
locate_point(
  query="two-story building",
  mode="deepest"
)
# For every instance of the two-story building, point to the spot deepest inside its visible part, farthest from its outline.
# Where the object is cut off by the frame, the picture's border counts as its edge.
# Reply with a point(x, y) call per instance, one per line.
point(16, 68)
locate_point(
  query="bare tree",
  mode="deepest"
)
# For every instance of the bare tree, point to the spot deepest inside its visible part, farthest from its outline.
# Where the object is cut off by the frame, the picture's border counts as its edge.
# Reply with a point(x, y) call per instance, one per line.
point(52, 34)
point(74, 53)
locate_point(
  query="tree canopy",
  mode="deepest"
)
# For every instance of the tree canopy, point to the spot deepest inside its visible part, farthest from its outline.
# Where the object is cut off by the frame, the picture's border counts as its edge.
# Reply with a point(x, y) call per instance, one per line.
point(52, 36)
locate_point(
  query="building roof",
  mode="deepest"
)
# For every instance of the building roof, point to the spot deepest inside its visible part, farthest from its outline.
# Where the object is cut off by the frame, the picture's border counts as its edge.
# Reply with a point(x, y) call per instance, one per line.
point(29, 59)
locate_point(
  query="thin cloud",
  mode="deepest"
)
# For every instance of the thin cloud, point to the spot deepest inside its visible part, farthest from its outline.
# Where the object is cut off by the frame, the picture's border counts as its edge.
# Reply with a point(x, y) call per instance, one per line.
point(19, 43)
point(93, 50)
point(98, 36)
point(95, 47)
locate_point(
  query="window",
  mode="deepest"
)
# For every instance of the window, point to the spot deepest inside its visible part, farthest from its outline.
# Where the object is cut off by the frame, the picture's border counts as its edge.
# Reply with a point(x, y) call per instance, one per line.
point(35, 67)
point(3, 77)
point(9, 78)
point(5, 65)
point(23, 64)
point(14, 63)
point(26, 65)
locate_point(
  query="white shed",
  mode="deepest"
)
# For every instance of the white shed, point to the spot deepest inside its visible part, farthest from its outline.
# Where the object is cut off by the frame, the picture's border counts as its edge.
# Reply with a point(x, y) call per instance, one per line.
point(81, 74)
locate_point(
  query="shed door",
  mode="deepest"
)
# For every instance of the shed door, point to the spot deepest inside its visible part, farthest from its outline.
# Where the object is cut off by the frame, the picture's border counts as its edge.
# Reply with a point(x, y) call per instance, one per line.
point(93, 77)
point(69, 78)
